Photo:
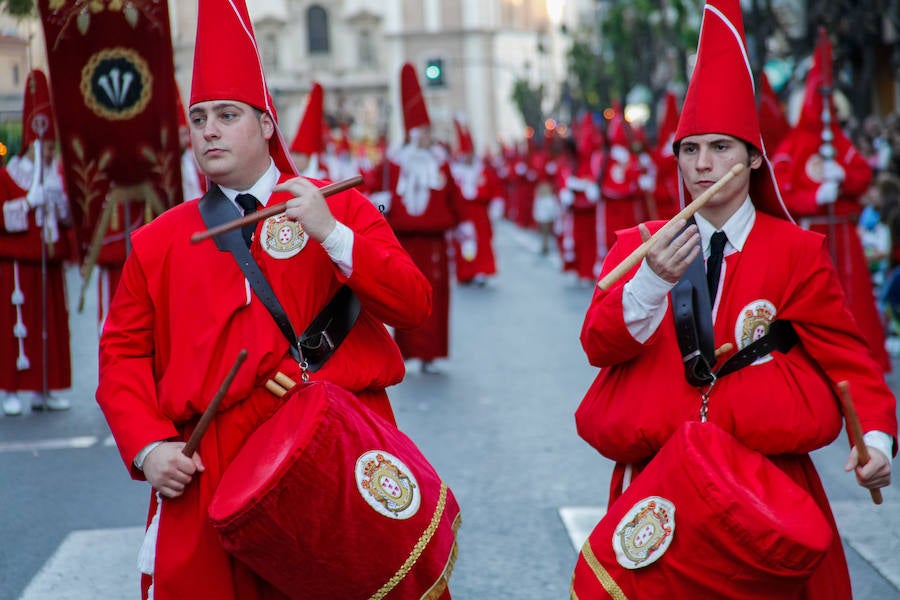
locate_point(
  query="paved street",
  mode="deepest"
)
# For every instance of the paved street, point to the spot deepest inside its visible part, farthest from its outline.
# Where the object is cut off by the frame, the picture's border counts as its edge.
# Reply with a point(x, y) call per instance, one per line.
point(497, 423)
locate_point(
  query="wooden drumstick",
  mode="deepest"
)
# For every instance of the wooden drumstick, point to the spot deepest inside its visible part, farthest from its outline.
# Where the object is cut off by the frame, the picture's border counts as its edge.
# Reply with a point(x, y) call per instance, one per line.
point(210, 411)
point(284, 381)
point(271, 211)
point(638, 254)
point(856, 433)
point(724, 349)
point(275, 389)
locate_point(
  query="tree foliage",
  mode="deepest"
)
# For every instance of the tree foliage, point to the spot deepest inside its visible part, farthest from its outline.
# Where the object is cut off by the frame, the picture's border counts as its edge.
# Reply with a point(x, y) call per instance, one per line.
point(19, 8)
point(528, 100)
point(631, 42)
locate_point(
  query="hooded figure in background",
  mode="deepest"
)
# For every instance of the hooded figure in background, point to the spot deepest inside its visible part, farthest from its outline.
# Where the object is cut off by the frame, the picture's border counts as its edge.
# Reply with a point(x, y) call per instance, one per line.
point(823, 179)
point(425, 206)
point(33, 246)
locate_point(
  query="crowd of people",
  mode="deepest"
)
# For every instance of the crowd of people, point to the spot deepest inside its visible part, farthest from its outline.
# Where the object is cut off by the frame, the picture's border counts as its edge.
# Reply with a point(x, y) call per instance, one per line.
point(785, 281)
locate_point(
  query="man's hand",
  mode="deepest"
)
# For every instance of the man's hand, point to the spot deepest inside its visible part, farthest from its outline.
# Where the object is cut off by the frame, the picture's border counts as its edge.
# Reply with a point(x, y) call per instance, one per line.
point(874, 474)
point(668, 257)
point(169, 471)
point(308, 207)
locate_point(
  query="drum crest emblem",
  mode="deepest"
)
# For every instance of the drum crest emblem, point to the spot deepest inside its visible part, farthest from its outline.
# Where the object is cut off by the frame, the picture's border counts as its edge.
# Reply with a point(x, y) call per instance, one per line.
point(387, 485)
point(282, 237)
point(645, 532)
point(752, 323)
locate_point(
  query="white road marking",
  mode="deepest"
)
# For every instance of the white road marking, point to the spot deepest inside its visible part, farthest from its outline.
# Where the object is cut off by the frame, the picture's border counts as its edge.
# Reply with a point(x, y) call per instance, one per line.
point(85, 441)
point(99, 563)
point(580, 521)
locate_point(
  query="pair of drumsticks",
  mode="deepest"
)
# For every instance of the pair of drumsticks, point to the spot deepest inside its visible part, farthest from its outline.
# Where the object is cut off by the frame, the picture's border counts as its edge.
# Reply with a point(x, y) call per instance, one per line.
point(278, 386)
point(281, 383)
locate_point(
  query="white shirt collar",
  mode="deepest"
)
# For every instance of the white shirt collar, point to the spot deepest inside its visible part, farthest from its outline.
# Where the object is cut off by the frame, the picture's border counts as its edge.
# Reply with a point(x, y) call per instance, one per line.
point(736, 229)
point(263, 187)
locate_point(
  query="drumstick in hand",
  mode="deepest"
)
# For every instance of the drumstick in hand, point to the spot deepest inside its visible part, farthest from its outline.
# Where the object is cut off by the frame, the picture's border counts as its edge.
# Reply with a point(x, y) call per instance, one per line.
point(271, 211)
point(638, 254)
point(856, 434)
point(210, 412)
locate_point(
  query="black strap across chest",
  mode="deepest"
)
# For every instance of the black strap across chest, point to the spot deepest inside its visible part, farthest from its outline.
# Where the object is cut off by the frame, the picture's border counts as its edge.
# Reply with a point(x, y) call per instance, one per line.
point(692, 312)
point(327, 330)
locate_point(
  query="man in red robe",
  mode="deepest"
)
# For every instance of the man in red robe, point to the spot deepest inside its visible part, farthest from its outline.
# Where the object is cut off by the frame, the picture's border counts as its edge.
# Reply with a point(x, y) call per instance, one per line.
point(183, 311)
point(823, 179)
point(621, 198)
point(581, 247)
point(473, 240)
point(781, 404)
point(425, 206)
point(33, 246)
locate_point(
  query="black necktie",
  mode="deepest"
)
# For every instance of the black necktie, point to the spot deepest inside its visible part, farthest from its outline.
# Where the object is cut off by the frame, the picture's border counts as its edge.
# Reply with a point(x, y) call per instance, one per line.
point(714, 263)
point(248, 203)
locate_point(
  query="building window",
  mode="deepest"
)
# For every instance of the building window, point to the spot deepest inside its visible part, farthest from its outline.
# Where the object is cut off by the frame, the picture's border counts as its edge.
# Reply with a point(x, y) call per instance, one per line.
point(15, 75)
point(269, 51)
point(317, 29)
point(366, 49)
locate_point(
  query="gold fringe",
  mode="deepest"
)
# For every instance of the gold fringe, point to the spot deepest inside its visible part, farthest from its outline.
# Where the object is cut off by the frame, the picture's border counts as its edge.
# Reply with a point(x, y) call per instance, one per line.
point(418, 548)
point(609, 584)
point(435, 591)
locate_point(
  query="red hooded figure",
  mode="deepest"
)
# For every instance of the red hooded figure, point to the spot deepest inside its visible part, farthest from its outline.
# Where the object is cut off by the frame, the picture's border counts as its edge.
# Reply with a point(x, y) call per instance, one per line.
point(823, 179)
point(33, 232)
point(425, 204)
point(713, 447)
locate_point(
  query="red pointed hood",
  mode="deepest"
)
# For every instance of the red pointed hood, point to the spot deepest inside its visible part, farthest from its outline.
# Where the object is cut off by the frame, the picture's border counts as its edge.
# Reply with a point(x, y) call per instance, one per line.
point(819, 85)
point(227, 66)
point(415, 111)
point(772, 120)
point(667, 126)
point(309, 138)
point(37, 112)
point(588, 137)
point(617, 131)
point(463, 137)
point(720, 97)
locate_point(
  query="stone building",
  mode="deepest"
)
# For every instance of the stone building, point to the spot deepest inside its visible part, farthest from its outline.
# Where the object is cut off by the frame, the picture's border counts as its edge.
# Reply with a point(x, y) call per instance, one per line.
point(355, 49)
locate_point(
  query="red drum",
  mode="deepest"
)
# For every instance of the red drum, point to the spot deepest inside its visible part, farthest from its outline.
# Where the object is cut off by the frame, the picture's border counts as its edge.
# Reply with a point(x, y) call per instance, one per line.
point(707, 518)
point(328, 500)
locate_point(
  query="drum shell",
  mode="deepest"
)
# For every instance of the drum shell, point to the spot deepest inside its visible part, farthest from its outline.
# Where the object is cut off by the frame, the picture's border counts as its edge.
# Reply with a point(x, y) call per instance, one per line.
point(291, 508)
point(742, 529)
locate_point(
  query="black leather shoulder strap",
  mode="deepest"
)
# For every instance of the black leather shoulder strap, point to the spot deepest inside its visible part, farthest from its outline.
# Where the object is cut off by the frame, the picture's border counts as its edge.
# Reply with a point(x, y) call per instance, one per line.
point(693, 323)
point(215, 208)
point(328, 329)
point(781, 337)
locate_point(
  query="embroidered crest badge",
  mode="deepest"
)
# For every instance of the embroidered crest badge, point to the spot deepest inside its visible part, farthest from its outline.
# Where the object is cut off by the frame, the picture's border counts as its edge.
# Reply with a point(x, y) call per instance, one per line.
point(752, 323)
point(387, 485)
point(644, 533)
point(282, 237)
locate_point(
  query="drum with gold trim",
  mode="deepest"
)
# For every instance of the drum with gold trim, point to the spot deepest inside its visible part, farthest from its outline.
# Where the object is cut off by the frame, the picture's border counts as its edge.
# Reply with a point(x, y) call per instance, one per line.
point(707, 518)
point(328, 500)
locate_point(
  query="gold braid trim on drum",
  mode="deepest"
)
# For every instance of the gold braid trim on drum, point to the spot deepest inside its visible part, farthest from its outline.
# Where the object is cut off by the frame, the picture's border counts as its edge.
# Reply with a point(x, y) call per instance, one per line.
point(418, 548)
point(609, 584)
point(441, 584)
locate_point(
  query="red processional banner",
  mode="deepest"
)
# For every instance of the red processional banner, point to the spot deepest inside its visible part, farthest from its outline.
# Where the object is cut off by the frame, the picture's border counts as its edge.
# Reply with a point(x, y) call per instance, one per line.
point(112, 80)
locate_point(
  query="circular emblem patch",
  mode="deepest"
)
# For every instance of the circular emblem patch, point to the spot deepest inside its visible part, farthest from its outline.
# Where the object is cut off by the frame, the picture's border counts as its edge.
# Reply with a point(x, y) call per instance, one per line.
point(387, 485)
point(644, 533)
point(753, 323)
point(116, 83)
point(282, 237)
